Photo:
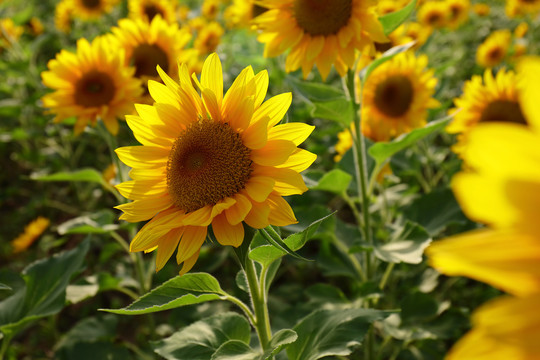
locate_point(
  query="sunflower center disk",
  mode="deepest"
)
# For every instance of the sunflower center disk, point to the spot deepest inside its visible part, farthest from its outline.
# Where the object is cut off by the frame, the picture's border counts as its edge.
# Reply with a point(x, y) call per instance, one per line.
point(322, 17)
point(151, 11)
point(94, 89)
point(91, 4)
point(495, 54)
point(394, 96)
point(208, 163)
point(146, 57)
point(503, 110)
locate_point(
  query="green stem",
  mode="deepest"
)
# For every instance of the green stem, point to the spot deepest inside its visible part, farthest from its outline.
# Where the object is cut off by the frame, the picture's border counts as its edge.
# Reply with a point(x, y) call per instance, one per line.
point(137, 260)
point(258, 298)
point(5, 343)
point(242, 306)
point(386, 275)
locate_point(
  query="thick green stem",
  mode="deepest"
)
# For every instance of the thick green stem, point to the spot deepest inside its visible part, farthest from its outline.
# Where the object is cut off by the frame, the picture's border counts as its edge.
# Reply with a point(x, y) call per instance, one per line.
point(5, 343)
point(258, 298)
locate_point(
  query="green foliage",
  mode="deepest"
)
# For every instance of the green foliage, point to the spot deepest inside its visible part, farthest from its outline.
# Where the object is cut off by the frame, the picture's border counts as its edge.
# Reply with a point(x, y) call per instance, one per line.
point(335, 181)
point(82, 175)
point(407, 246)
point(392, 21)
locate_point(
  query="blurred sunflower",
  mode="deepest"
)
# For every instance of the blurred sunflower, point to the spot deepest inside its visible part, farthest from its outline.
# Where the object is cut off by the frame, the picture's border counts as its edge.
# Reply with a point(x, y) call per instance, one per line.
point(494, 49)
point(147, 45)
point(385, 7)
point(481, 9)
point(522, 7)
point(9, 32)
point(90, 9)
point(501, 188)
point(345, 142)
point(34, 26)
point(521, 30)
point(459, 12)
point(210, 9)
point(208, 38)
point(216, 160)
point(485, 100)
point(434, 14)
point(319, 33)
point(31, 232)
point(240, 13)
point(146, 10)
point(396, 97)
point(63, 16)
point(90, 84)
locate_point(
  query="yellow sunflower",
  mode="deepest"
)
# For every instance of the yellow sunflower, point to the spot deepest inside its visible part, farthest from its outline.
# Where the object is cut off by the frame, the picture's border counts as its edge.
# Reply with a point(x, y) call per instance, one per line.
point(147, 45)
point(322, 33)
point(90, 84)
point(459, 12)
point(522, 7)
point(90, 9)
point(494, 49)
point(146, 10)
point(501, 188)
point(216, 160)
point(396, 97)
point(485, 99)
point(521, 30)
point(63, 16)
point(385, 7)
point(433, 14)
point(240, 13)
point(31, 232)
point(481, 9)
point(208, 38)
point(9, 32)
point(210, 9)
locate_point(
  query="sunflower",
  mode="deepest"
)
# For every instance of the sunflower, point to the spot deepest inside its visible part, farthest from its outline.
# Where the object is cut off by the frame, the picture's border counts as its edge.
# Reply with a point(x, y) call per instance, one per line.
point(31, 232)
point(9, 32)
point(521, 30)
point(147, 45)
point(216, 160)
point(385, 7)
point(522, 7)
point(494, 49)
point(210, 9)
point(208, 38)
point(459, 12)
point(90, 84)
point(240, 13)
point(481, 9)
point(485, 100)
point(433, 14)
point(63, 16)
point(396, 97)
point(146, 10)
point(501, 188)
point(319, 32)
point(90, 9)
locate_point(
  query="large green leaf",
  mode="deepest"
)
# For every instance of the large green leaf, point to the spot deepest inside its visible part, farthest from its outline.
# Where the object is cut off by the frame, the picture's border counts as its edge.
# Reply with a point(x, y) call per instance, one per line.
point(339, 110)
point(4, 287)
point(315, 91)
point(267, 254)
point(82, 175)
point(383, 150)
point(44, 292)
point(188, 289)
point(391, 22)
point(336, 181)
point(282, 339)
point(200, 340)
point(408, 245)
point(97, 223)
point(331, 332)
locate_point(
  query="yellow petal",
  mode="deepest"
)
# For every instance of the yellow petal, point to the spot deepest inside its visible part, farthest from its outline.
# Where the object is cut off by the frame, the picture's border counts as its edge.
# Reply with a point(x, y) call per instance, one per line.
point(212, 77)
point(191, 242)
point(529, 72)
point(227, 234)
point(140, 210)
point(150, 234)
point(256, 135)
point(161, 93)
point(275, 152)
point(166, 247)
point(259, 187)
point(274, 108)
point(281, 213)
point(295, 132)
point(261, 85)
point(190, 262)
point(143, 156)
point(141, 189)
point(288, 182)
point(237, 213)
point(257, 217)
point(299, 160)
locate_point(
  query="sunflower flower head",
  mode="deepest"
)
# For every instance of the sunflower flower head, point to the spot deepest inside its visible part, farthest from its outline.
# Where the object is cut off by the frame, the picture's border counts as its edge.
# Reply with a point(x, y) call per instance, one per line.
point(90, 84)
point(494, 49)
point(433, 14)
point(31, 232)
point(210, 159)
point(322, 33)
point(9, 32)
point(458, 12)
point(396, 97)
point(146, 10)
point(515, 8)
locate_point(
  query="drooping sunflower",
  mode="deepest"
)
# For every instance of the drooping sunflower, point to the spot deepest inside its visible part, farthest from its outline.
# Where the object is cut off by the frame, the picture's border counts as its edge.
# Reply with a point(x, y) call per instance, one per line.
point(147, 45)
point(90, 84)
point(494, 49)
point(216, 160)
point(500, 187)
point(459, 12)
point(322, 33)
point(434, 14)
point(396, 97)
point(485, 99)
point(146, 10)
point(31, 232)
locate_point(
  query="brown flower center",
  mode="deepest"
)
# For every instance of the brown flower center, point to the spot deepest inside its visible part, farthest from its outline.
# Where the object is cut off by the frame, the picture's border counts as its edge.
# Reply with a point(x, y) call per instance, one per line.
point(146, 57)
point(151, 11)
point(94, 89)
point(257, 10)
point(91, 4)
point(208, 163)
point(322, 17)
point(455, 11)
point(496, 54)
point(394, 96)
point(434, 19)
point(503, 110)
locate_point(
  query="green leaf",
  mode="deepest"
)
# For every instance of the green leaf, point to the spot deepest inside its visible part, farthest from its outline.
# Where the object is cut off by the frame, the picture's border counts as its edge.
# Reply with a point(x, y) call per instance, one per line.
point(392, 21)
point(282, 339)
point(100, 222)
point(418, 307)
point(383, 150)
point(337, 110)
point(331, 332)
point(336, 181)
point(272, 237)
point(188, 289)
point(235, 350)
point(314, 91)
point(387, 55)
point(267, 254)
point(200, 340)
point(408, 245)
point(4, 287)
point(83, 175)
point(44, 292)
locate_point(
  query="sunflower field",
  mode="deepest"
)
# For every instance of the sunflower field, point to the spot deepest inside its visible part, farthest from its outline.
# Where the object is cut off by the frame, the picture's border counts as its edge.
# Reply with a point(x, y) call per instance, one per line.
point(270, 179)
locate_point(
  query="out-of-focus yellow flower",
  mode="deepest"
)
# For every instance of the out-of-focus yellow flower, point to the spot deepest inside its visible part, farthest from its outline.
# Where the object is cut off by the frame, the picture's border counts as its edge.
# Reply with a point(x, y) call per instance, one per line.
point(208, 38)
point(31, 232)
point(146, 10)
point(240, 13)
point(494, 49)
point(63, 16)
point(35, 26)
point(210, 159)
point(322, 33)
point(345, 142)
point(396, 97)
point(501, 188)
point(459, 12)
point(385, 7)
point(521, 30)
point(90, 9)
point(210, 9)
point(485, 99)
point(182, 13)
point(109, 174)
point(434, 14)
point(481, 9)
point(9, 32)
point(90, 84)
point(516, 8)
